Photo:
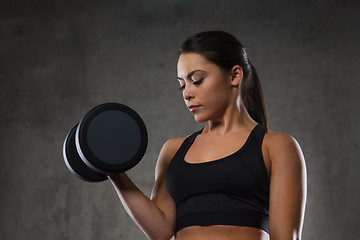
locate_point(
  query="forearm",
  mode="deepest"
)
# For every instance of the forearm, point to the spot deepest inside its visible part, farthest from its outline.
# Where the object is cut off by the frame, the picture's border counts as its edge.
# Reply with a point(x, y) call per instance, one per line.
point(145, 213)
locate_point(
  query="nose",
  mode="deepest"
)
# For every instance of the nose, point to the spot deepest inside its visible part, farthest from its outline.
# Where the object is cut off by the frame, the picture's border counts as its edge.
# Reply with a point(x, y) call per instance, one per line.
point(187, 93)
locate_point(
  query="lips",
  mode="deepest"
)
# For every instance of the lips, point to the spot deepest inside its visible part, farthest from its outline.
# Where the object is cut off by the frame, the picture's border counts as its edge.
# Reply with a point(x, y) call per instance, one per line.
point(193, 108)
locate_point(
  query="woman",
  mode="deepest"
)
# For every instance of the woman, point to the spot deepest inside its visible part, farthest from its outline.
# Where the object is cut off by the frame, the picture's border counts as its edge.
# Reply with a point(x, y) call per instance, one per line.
point(234, 178)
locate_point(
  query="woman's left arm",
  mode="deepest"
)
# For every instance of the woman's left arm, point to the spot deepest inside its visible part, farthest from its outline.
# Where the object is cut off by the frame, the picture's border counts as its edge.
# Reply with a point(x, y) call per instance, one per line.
point(288, 187)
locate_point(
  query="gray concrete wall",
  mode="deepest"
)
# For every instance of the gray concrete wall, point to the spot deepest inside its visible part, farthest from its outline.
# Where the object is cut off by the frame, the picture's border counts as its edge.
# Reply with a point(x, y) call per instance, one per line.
point(58, 59)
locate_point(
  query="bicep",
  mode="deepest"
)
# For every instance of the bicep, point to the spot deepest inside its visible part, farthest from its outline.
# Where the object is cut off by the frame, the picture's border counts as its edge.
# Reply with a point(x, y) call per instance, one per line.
point(287, 188)
point(160, 195)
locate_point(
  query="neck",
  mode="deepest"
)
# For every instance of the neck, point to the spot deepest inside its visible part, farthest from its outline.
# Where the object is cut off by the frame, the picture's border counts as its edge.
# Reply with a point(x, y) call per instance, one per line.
point(234, 119)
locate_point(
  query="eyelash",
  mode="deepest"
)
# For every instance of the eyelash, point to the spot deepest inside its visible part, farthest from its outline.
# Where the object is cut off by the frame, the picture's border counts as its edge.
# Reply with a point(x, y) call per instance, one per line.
point(195, 83)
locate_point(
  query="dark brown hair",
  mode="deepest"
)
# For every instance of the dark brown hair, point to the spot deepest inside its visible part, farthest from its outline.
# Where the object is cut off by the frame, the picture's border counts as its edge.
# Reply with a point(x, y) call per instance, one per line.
point(226, 51)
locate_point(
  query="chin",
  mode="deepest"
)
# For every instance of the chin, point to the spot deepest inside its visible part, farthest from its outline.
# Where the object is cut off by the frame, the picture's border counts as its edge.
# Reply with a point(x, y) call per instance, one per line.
point(200, 119)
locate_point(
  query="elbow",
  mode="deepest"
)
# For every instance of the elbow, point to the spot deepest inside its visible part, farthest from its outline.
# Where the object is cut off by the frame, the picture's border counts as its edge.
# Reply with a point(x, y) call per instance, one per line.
point(162, 238)
point(163, 235)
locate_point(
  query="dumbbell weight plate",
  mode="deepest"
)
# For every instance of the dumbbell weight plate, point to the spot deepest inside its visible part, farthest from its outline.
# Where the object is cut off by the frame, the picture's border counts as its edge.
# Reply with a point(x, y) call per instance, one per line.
point(111, 138)
point(74, 163)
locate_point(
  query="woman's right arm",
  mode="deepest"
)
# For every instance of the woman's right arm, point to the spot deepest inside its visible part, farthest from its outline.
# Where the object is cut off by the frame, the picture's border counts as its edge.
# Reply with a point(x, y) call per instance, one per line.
point(154, 216)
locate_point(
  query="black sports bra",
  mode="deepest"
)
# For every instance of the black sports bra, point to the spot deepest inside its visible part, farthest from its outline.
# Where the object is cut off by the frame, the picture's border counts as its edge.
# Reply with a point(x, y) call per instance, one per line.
point(233, 190)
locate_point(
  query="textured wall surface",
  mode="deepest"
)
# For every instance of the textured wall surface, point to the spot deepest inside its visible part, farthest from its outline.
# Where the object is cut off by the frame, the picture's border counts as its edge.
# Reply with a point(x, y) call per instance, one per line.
point(58, 59)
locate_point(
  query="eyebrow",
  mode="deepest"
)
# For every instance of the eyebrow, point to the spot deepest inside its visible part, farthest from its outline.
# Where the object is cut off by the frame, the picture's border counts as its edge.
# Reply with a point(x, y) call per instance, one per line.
point(190, 74)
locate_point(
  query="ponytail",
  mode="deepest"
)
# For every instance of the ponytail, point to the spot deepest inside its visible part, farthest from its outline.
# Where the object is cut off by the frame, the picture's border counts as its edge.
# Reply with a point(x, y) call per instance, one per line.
point(253, 98)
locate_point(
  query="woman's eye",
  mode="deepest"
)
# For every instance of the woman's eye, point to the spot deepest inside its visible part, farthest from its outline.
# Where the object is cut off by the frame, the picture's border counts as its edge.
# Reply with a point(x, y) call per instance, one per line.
point(198, 82)
point(195, 83)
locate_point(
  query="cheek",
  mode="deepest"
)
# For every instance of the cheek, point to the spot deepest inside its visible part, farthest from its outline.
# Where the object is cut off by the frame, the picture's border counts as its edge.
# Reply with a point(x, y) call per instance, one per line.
point(216, 96)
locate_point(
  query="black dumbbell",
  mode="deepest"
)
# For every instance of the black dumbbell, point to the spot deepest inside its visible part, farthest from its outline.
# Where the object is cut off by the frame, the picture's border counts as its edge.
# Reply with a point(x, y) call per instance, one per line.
point(111, 138)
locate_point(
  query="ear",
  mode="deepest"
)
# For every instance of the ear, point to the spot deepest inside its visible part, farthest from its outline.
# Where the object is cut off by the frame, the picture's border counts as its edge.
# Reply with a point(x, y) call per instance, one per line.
point(236, 75)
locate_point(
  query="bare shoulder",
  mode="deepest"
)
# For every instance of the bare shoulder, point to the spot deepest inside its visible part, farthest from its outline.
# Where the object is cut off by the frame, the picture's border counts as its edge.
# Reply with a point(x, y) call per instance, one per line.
point(281, 146)
point(167, 152)
point(174, 143)
point(171, 146)
point(274, 139)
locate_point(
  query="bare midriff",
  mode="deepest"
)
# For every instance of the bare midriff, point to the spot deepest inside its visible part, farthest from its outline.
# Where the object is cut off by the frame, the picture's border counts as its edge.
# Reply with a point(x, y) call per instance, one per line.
point(221, 232)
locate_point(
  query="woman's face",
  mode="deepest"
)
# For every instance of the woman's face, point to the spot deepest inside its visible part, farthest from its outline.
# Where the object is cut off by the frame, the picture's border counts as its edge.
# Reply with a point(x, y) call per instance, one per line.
point(204, 85)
